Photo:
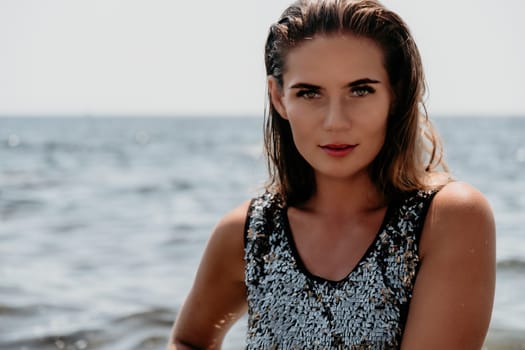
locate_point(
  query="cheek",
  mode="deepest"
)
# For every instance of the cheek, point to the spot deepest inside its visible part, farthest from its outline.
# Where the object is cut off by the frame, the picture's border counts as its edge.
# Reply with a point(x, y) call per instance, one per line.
point(381, 130)
point(377, 119)
point(301, 129)
point(303, 132)
point(373, 120)
point(301, 120)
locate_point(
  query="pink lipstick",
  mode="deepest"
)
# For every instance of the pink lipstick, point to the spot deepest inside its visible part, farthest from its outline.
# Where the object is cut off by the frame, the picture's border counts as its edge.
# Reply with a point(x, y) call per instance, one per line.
point(338, 150)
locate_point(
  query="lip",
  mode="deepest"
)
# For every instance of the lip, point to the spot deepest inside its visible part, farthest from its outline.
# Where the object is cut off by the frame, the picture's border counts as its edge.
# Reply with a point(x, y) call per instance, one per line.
point(338, 149)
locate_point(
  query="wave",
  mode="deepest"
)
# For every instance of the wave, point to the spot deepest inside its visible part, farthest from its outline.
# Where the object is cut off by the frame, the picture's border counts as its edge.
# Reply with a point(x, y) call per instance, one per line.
point(10, 208)
point(6, 310)
point(80, 340)
point(32, 309)
point(147, 329)
point(156, 316)
point(511, 264)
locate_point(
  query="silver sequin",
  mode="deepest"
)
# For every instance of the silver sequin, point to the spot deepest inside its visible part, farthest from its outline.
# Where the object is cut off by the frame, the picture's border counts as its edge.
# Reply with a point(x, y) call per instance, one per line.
point(291, 309)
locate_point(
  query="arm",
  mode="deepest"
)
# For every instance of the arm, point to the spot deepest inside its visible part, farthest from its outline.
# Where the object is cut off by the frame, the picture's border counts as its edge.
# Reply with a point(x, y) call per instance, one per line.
point(454, 290)
point(218, 296)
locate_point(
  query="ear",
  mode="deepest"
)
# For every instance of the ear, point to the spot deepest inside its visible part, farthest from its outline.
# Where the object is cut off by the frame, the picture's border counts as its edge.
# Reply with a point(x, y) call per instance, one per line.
point(276, 96)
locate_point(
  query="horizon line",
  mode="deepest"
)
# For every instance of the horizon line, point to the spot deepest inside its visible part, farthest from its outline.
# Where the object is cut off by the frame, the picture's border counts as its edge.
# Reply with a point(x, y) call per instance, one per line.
point(217, 115)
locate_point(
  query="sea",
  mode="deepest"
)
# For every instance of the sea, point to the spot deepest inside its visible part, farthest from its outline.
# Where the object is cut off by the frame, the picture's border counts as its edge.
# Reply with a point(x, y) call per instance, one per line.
point(103, 220)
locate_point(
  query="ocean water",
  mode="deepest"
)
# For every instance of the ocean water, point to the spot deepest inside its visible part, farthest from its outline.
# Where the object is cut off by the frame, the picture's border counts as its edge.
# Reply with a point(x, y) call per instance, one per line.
point(103, 221)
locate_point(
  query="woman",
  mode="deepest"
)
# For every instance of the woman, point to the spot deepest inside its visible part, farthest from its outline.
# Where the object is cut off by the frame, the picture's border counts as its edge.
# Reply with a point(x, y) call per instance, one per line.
point(361, 240)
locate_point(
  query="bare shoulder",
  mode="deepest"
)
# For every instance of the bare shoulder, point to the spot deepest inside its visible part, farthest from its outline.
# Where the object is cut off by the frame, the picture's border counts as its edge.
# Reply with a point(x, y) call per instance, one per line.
point(217, 298)
point(225, 248)
point(223, 257)
point(227, 238)
point(456, 279)
point(461, 196)
point(232, 223)
point(459, 212)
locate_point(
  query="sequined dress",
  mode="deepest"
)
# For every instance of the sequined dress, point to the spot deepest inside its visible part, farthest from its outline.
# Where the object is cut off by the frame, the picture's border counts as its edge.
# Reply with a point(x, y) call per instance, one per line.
point(289, 308)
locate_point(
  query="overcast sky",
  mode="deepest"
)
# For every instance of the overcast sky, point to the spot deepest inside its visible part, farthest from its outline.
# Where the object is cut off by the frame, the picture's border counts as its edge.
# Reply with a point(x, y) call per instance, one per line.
point(168, 57)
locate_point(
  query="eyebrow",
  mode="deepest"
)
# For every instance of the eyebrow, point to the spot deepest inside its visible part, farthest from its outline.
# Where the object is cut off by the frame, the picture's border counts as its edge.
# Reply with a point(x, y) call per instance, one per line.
point(305, 86)
point(352, 84)
point(363, 81)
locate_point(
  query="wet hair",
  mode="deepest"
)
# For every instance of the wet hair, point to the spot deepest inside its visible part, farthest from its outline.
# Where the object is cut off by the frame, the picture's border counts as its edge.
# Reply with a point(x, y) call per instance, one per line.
point(412, 149)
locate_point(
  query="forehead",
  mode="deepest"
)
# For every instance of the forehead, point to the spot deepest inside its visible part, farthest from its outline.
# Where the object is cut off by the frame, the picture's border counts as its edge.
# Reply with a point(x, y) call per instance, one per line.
point(335, 57)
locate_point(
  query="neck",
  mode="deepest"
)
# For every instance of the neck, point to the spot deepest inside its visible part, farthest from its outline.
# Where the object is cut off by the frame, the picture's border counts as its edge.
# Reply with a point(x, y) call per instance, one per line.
point(345, 196)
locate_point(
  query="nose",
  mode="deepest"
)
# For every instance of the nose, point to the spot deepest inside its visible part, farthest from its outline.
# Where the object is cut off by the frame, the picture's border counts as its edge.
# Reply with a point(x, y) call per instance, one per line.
point(337, 116)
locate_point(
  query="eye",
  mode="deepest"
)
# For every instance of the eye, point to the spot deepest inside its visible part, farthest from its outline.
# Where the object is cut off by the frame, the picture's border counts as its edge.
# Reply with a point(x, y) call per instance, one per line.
point(308, 94)
point(362, 90)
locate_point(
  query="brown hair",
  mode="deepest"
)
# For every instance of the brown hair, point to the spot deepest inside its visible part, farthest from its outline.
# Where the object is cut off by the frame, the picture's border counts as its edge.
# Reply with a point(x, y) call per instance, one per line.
point(412, 149)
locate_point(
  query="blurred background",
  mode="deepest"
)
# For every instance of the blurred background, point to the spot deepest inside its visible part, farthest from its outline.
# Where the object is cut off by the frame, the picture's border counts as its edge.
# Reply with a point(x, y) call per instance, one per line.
point(128, 128)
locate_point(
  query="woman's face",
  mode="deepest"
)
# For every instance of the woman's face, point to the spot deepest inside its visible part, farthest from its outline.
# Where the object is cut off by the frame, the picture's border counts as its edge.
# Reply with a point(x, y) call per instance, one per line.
point(336, 96)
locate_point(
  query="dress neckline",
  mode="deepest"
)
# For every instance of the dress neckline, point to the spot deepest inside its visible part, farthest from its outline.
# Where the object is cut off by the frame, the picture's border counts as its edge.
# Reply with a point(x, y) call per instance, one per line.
point(300, 263)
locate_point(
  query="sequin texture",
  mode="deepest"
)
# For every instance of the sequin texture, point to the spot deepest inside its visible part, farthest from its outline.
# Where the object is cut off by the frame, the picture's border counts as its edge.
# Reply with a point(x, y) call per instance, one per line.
point(288, 308)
